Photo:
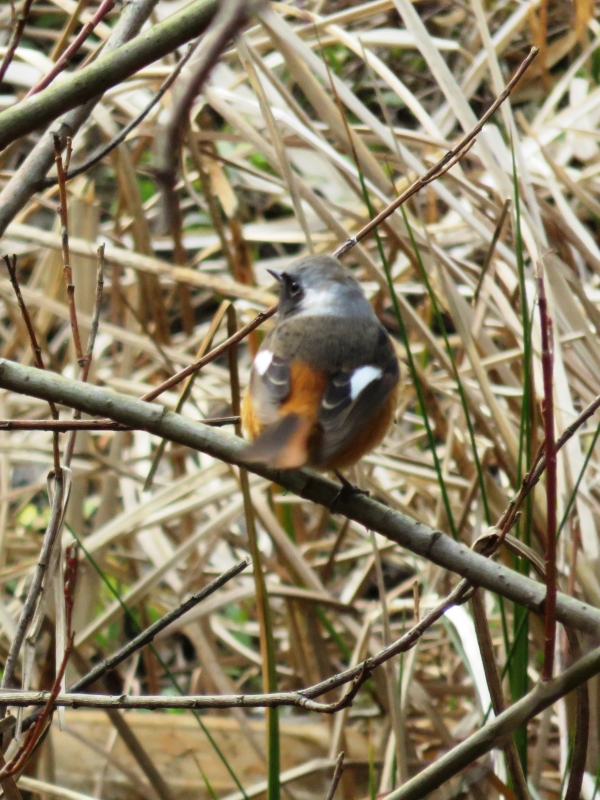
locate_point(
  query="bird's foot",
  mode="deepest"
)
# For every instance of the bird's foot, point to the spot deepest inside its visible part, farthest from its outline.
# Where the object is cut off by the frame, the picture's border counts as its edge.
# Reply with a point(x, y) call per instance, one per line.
point(348, 489)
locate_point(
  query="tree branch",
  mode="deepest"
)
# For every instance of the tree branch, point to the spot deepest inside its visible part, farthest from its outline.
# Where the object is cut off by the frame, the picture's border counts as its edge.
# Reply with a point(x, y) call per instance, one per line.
point(108, 70)
point(481, 742)
point(397, 527)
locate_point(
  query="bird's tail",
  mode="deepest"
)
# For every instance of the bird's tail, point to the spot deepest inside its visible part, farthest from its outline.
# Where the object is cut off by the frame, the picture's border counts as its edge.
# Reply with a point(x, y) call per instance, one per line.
point(283, 444)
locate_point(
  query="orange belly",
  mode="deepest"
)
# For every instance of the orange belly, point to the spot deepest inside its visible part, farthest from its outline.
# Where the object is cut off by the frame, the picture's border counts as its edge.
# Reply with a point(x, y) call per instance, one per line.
point(304, 400)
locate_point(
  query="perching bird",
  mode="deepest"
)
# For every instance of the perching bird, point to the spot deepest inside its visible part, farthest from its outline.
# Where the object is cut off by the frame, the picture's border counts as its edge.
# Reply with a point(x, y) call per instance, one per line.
point(324, 384)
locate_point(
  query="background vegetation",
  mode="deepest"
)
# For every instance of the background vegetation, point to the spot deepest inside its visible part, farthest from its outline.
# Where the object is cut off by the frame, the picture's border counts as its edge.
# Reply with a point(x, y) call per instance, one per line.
point(282, 130)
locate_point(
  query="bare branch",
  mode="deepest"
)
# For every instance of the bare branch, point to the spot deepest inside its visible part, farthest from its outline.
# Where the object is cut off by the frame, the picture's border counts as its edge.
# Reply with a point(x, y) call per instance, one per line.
point(490, 735)
point(397, 527)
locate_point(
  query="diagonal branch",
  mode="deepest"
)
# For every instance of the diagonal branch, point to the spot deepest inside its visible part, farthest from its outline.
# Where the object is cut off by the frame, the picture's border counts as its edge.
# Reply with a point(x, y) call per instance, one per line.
point(108, 70)
point(397, 527)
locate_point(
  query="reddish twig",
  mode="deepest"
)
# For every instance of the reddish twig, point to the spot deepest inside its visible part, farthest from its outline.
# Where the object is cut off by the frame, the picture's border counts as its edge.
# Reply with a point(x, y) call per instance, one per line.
point(582, 726)
point(103, 10)
point(86, 361)
point(22, 755)
point(507, 520)
point(214, 353)
point(25, 750)
point(64, 231)
point(20, 21)
point(37, 350)
point(71, 569)
point(443, 164)
point(547, 359)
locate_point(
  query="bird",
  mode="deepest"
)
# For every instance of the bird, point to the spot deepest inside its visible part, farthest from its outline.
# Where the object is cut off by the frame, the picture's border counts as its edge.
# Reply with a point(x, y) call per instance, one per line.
point(324, 384)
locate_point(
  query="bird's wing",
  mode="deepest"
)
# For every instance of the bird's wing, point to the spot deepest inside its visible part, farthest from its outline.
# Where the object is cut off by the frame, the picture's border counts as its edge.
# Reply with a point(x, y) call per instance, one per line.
point(351, 399)
point(269, 383)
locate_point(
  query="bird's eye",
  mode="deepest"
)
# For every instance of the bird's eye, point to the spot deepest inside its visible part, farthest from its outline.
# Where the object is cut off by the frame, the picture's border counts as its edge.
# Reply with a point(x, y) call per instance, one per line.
point(294, 288)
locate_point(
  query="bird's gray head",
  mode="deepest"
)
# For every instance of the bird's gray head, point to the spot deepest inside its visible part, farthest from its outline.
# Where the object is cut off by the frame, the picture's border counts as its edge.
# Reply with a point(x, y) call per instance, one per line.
point(319, 285)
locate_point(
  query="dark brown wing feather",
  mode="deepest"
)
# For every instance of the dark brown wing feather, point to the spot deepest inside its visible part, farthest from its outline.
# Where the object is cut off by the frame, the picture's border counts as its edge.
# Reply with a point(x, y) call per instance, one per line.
point(342, 418)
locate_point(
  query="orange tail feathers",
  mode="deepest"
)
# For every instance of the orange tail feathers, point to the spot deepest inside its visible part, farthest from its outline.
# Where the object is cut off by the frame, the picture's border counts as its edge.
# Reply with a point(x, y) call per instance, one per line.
point(283, 445)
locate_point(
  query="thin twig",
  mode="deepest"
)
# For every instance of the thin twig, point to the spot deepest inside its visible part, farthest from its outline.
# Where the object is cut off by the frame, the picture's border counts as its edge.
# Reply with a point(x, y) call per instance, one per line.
point(543, 695)
point(215, 353)
point(103, 151)
point(64, 231)
point(149, 634)
point(103, 9)
point(20, 22)
point(95, 314)
point(63, 426)
point(37, 350)
point(443, 164)
point(337, 775)
point(86, 363)
point(538, 466)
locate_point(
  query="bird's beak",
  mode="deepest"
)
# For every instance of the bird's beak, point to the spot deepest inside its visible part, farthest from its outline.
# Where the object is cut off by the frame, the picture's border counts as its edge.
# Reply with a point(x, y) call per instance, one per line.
point(275, 274)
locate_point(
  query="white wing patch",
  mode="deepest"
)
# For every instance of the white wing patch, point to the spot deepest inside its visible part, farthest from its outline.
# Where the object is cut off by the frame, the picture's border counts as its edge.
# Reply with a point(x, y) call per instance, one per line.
point(361, 378)
point(262, 362)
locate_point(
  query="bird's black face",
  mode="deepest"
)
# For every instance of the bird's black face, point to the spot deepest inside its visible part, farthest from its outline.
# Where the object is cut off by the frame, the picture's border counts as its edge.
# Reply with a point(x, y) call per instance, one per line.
point(290, 292)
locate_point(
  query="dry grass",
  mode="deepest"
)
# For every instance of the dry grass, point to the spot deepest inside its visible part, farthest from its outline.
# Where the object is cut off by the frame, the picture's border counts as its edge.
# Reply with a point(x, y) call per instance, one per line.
point(311, 101)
